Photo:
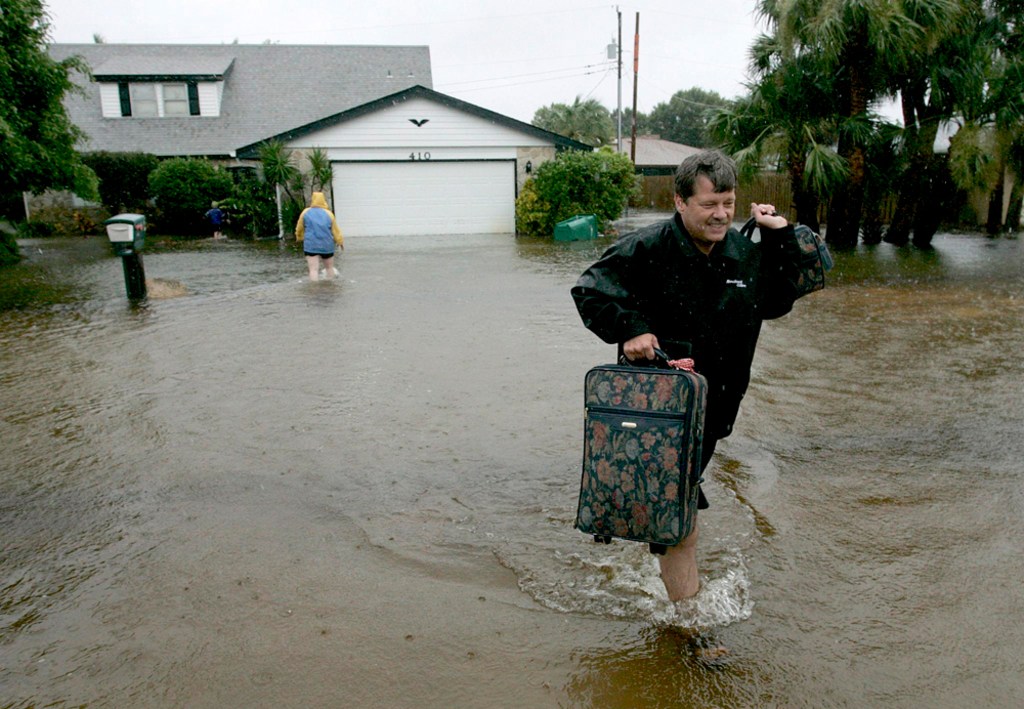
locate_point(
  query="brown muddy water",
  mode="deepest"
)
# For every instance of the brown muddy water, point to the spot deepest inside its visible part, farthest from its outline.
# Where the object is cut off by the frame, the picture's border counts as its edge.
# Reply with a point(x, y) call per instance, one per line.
point(274, 493)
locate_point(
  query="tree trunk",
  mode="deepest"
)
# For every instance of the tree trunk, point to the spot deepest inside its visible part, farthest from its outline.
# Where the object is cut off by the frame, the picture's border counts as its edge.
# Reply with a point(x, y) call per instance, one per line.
point(807, 210)
point(845, 210)
point(994, 223)
point(928, 216)
point(1013, 213)
point(805, 201)
point(918, 187)
point(906, 202)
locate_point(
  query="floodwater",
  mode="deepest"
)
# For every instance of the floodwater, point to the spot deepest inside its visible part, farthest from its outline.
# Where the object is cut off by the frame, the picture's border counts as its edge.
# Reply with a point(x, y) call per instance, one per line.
point(360, 493)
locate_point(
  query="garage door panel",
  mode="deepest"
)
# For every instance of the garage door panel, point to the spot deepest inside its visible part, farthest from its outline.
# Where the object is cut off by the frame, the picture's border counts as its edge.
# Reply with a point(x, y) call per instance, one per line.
point(425, 197)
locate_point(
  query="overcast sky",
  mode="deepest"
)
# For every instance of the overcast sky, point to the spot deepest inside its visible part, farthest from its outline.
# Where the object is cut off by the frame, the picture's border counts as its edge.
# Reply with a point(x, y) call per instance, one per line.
point(510, 57)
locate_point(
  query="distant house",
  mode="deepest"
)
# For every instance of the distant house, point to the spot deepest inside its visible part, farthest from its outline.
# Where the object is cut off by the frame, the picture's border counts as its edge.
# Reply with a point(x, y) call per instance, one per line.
point(406, 159)
point(657, 160)
point(655, 156)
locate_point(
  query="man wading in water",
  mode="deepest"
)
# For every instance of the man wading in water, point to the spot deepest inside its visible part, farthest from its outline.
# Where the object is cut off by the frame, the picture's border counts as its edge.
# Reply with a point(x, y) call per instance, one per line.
point(695, 287)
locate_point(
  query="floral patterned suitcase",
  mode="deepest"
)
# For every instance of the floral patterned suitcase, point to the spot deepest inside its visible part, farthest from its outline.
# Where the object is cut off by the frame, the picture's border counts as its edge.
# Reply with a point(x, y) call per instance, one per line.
point(642, 439)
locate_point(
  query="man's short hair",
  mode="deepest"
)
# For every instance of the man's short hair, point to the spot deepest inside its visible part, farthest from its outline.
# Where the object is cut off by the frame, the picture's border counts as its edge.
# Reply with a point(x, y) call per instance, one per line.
point(715, 165)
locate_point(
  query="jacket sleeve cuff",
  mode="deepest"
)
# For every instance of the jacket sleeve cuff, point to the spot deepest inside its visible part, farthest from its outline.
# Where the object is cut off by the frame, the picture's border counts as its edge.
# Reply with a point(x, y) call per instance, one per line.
point(631, 326)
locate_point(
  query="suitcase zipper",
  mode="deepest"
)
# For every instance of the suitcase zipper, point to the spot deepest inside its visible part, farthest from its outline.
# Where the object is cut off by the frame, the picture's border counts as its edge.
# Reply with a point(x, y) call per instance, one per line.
point(640, 413)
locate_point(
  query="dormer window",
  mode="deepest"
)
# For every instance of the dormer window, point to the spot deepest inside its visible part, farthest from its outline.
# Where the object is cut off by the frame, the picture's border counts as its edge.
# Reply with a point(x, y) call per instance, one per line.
point(153, 99)
point(162, 87)
point(143, 100)
point(175, 100)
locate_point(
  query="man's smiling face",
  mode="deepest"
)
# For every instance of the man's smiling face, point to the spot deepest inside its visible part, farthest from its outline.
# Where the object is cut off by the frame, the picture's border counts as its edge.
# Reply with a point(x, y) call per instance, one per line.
point(706, 214)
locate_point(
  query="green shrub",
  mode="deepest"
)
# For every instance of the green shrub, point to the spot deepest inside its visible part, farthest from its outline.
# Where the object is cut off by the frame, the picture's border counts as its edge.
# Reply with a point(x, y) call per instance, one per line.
point(251, 209)
point(36, 229)
point(575, 182)
point(9, 251)
point(183, 189)
point(531, 212)
point(290, 212)
point(123, 179)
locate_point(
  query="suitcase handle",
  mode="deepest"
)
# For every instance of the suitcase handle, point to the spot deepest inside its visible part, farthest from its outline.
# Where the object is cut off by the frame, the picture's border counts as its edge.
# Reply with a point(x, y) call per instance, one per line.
point(660, 361)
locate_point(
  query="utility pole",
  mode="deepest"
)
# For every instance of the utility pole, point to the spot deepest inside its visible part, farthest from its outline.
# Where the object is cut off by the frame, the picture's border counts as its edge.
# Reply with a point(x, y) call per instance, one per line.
point(636, 66)
point(618, 127)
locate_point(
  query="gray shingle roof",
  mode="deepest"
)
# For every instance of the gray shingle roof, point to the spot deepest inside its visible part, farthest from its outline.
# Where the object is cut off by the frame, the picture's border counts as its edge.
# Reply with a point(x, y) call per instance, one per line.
point(268, 89)
point(127, 67)
point(655, 152)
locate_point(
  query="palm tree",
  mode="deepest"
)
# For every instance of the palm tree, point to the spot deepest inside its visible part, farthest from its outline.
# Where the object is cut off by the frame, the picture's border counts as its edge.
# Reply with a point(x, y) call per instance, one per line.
point(858, 43)
point(989, 107)
point(787, 117)
point(586, 121)
point(279, 170)
point(320, 173)
point(929, 83)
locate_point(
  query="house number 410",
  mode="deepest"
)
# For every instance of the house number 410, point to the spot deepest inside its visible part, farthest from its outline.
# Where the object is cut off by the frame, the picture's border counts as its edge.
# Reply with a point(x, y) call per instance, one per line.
point(419, 156)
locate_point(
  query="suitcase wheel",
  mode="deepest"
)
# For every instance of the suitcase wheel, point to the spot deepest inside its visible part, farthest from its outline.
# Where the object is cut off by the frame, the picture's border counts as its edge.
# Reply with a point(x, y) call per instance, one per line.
point(659, 549)
point(602, 539)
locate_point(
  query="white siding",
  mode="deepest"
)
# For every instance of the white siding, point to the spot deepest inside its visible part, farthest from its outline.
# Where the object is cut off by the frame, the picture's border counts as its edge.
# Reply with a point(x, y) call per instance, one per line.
point(425, 197)
point(110, 100)
point(445, 127)
point(209, 97)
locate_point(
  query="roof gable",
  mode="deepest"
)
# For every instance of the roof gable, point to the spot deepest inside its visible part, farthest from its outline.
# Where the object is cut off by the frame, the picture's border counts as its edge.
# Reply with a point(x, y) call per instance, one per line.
point(407, 95)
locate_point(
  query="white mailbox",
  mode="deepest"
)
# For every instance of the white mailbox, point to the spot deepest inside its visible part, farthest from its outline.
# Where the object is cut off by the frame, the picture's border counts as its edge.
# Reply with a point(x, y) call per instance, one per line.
point(127, 233)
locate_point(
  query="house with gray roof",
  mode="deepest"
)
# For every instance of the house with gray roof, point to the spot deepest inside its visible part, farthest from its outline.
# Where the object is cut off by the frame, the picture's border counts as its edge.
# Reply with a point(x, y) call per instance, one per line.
point(406, 159)
point(207, 100)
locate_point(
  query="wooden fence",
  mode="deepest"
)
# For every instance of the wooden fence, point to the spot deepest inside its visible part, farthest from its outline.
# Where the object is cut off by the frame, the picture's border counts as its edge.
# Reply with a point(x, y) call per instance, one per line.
point(658, 192)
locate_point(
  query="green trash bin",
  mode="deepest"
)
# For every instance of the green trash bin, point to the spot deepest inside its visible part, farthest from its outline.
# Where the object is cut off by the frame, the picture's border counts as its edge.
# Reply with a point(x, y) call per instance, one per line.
point(578, 228)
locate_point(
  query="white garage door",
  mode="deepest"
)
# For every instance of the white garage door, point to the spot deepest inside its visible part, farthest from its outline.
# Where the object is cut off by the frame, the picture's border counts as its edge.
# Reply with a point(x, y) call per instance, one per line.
point(425, 197)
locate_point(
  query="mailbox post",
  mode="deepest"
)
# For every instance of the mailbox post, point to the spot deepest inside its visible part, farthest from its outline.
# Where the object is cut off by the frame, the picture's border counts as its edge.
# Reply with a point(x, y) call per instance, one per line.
point(127, 234)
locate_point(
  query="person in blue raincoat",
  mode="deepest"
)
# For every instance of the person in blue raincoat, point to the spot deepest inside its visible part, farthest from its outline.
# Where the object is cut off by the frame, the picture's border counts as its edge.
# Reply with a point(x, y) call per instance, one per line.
point(216, 217)
point(319, 233)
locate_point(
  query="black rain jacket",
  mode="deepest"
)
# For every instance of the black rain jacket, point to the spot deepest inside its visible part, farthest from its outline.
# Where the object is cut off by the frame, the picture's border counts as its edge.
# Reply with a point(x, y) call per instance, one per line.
point(708, 307)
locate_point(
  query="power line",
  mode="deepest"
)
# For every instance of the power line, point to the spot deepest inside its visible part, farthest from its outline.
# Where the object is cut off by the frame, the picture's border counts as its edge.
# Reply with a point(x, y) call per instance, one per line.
point(587, 69)
point(524, 83)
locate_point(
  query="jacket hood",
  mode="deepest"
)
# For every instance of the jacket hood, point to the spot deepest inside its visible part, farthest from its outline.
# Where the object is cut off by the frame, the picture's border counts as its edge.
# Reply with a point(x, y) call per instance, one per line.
point(318, 200)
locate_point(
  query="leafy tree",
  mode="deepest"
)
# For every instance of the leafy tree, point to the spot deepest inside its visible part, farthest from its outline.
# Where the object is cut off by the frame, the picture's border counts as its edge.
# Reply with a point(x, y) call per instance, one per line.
point(863, 44)
point(575, 182)
point(991, 110)
point(788, 117)
point(586, 121)
point(37, 139)
point(643, 126)
point(123, 179)
point(684, 118)
point(9, 251)
point(251, 205)
point(939, 70)
point(183, 189)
